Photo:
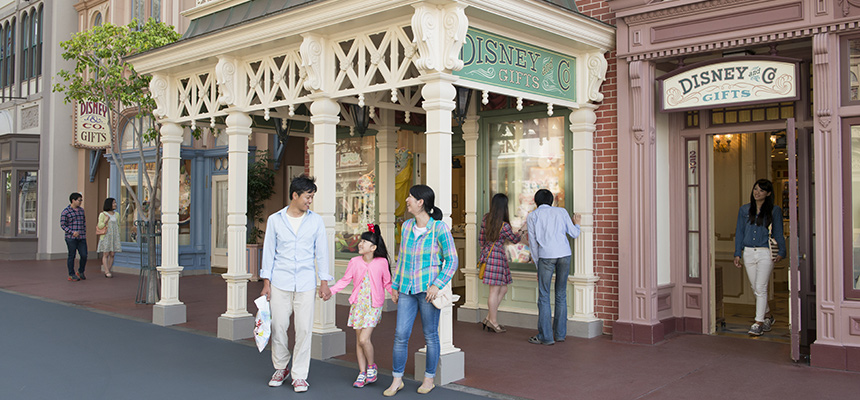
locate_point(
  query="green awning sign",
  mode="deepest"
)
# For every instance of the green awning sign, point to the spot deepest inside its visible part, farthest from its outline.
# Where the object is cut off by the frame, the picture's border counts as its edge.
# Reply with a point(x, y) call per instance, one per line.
point(511, 64)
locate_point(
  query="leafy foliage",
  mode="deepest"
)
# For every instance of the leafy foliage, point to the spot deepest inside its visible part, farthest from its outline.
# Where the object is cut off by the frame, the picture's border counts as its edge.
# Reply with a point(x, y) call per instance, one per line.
point(261, 182)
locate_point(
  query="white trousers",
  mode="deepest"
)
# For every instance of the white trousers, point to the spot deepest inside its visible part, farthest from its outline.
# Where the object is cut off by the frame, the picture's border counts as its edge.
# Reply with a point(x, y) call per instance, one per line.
point(283, 304)
point(759, 265)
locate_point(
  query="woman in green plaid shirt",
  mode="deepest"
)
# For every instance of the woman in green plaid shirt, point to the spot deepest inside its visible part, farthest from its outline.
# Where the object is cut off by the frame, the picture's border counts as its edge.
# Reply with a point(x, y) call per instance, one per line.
point(426, 263)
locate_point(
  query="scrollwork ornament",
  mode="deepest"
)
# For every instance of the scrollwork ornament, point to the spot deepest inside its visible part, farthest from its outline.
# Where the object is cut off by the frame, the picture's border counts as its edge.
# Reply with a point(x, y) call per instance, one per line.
point(424, 24)
point(847, 4)
point(225, 71)
point(158, 89)
point(456, 24)
point(311, 50)
point(597, 66)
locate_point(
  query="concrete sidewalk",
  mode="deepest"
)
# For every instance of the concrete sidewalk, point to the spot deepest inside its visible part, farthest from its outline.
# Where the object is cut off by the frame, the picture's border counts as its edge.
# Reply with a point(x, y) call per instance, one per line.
point(502, 365)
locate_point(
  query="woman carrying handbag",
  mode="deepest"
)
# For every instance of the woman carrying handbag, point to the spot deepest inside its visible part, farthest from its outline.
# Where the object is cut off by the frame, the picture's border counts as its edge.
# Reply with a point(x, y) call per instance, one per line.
point(108, 233)
point(495, 230)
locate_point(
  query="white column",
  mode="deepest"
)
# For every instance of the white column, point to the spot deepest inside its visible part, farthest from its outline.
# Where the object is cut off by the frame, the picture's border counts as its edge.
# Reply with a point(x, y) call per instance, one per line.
point(584, 323)
point(169, 310)
point(386, 143)
point(328, 340)
point(237, 322)
point(473, 284)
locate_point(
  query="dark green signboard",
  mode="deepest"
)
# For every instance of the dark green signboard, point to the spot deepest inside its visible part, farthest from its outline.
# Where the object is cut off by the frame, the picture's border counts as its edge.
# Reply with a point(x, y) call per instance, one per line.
point(511, 64)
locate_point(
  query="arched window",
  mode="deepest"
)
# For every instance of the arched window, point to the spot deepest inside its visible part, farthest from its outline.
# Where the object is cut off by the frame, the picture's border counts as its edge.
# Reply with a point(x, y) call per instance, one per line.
point(10, 54)
point(35, 24)
point(37, 43)
point(25, 48)
point(97, 19)
point(3, 55)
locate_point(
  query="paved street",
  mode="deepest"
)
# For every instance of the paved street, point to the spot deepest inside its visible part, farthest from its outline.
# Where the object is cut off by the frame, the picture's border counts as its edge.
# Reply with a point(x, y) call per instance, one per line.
point(52, 350)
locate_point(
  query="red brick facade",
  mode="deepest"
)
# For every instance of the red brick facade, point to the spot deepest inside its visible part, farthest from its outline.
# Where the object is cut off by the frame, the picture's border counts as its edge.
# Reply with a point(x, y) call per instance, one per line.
point(605, 182)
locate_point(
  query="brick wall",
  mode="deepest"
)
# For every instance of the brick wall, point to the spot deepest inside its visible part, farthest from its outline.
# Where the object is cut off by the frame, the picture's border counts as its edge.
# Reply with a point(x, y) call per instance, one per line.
point(606, 182)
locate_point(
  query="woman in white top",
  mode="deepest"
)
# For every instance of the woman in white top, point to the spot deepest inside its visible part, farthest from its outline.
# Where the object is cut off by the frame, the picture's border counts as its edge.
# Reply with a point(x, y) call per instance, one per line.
point(109, 241)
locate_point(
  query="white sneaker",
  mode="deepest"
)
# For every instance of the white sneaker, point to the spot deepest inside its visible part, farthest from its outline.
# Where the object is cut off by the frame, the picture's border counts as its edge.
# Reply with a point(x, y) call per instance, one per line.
point(300, 385)
point(278, 377)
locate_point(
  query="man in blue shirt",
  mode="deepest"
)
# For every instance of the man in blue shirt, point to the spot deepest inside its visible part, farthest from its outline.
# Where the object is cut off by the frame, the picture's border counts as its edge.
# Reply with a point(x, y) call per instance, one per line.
point(548, 229)
point(295, 252)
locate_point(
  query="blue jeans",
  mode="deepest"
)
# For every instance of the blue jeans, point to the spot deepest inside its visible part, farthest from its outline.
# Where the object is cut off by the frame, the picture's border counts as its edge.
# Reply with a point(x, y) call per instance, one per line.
point(561, 268)
point(79, 245)
point(407, 306)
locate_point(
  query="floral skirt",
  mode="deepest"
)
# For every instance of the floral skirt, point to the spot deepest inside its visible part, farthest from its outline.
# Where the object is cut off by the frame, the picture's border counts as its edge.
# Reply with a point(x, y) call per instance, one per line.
point(362, 314)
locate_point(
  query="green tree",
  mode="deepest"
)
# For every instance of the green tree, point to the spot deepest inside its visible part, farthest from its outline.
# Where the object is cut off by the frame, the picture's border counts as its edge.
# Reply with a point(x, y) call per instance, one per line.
point(103, 74)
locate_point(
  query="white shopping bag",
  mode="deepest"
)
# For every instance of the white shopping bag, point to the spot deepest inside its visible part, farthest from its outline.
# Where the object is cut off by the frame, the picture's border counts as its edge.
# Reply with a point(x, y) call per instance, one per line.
point(262, 323)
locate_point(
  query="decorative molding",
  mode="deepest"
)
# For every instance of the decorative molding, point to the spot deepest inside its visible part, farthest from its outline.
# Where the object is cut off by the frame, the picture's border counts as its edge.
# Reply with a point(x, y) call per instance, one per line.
point(596, 76)
point(439, 35)
point(312, 61)
point(854, 326)
point(684, 10)
point(693, 301)
point(847, 4)
point(636, 89)
point(778, 36)
point(30, 117)
point(821, 74)
point(158, 90)
point(226, 79)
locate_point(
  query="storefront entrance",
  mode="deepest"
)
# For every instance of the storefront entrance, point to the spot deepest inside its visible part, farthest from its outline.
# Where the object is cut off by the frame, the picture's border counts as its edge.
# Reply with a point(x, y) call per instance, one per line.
point(737, 161)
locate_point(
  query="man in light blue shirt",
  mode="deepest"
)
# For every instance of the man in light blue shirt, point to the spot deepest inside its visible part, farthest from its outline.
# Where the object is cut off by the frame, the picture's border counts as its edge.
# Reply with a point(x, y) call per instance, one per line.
point(548, 229)
point(295, 253)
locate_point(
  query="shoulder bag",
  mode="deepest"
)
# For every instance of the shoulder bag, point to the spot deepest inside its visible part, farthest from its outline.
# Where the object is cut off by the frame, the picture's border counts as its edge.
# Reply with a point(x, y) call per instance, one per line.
point(771, 242)
point(103, 230)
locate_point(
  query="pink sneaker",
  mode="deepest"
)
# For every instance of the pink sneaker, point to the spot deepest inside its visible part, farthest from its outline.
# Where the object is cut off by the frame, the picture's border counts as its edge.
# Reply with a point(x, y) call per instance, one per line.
point(359, 382)
point(371, 373)
point(300, 385)
point(278, 377)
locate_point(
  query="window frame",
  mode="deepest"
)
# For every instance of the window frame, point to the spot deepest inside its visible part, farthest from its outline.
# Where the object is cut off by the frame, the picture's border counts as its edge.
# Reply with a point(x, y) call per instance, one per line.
point(848, 222)
point(845, 73)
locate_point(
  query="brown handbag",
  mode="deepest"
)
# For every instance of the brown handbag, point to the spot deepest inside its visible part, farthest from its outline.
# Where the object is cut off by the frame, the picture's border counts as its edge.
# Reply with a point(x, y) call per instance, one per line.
point(483, 265)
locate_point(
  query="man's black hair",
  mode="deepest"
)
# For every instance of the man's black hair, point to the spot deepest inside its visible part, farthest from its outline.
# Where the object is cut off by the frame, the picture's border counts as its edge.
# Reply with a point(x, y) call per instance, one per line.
point(302, 184)
point(542, 197)
point(74, 196)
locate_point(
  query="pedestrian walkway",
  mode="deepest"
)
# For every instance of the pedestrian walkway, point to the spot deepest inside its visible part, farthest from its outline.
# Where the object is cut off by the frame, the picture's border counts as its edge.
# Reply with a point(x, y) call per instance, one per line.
point(497, 365)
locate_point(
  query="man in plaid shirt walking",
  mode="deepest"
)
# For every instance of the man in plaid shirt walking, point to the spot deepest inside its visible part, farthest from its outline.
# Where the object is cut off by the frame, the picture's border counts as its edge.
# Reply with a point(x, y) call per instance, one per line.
point(74, 223)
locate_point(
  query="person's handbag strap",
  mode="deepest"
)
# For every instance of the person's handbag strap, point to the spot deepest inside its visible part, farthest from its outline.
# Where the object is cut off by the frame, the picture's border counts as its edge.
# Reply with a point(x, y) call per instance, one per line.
point(486, 254)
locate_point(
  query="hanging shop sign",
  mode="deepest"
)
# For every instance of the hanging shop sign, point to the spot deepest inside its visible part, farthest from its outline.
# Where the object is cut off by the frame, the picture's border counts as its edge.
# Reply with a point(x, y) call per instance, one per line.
point(511, 64)
point(730, 82)
point(92, 127)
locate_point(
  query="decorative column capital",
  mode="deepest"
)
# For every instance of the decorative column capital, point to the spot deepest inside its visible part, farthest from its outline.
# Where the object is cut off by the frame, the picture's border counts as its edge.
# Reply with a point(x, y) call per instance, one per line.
point(228, 79)
point(440, 30)
point(438, 91)
point(597, 66)
point(238, 119)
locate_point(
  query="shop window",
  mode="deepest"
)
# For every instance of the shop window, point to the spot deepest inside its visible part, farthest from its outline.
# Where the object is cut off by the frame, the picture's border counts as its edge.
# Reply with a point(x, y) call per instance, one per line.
point(852, 184)
point(355, 197)
point(6, 203)
point(185, 203)
point(524, 156)
point(693, 226)
point(853, 78)
point(27, 196)
point(758, 113)
point(97, 19)
point(127, 208)
point(129, 139)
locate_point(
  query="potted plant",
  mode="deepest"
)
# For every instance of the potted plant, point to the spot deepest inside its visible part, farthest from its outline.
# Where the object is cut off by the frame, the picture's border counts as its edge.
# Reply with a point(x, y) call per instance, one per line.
point(261, 182)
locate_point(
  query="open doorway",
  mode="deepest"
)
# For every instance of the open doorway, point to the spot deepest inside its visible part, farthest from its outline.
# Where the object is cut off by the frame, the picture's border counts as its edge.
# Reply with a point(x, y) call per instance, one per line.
point(738, 161)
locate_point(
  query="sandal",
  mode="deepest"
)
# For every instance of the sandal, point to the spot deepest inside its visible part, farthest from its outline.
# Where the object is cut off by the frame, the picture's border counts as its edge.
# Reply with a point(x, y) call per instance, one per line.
point(108, 275)
point(535, 340)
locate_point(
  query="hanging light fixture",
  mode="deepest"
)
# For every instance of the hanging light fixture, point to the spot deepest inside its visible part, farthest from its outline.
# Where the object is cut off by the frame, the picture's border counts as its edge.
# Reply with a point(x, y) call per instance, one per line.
point(361, 117)
point(461, 104)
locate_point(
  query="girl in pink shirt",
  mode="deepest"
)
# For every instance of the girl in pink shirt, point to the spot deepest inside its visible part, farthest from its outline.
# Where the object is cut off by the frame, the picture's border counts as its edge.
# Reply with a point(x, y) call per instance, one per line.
point(370, 278)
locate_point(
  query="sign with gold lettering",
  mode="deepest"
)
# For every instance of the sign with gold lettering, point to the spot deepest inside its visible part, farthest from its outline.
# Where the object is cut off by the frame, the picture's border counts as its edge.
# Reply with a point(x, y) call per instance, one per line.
point(511, 64)
point(730, 82)
point(92, 128)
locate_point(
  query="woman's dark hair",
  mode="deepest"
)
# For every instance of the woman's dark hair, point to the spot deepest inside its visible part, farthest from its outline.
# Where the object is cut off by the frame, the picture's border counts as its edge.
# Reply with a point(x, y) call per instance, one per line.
point(108, 204)
point(495, 219)
point(765, 217)
point(375, 238)
point(542, 197)
point(423, 192)
point(302, 184)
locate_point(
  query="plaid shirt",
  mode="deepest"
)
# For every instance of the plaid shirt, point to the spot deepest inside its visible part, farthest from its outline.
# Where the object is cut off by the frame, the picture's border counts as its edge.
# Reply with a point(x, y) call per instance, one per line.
point(428, 259)
point(74, 220)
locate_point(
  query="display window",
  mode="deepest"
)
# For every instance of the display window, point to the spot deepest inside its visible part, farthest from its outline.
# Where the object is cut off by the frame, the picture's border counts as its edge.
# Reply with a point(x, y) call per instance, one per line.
point(355, 198)
point(853, 72)
point(27, 196)
point(7, 202)
point(525, 155)
point(852, 270)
